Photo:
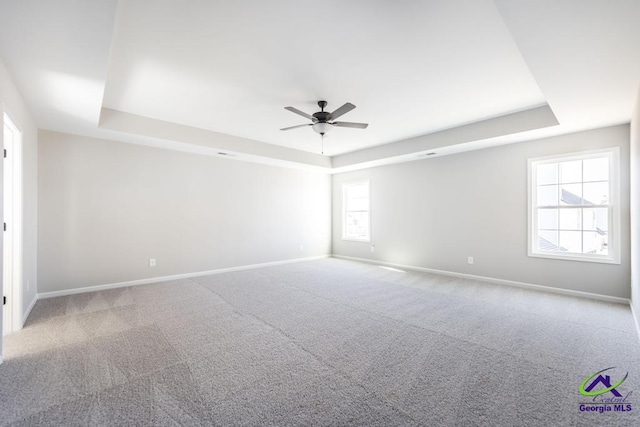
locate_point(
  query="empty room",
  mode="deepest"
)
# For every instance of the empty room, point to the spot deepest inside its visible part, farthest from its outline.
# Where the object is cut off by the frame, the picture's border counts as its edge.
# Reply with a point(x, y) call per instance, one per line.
point(293, 213)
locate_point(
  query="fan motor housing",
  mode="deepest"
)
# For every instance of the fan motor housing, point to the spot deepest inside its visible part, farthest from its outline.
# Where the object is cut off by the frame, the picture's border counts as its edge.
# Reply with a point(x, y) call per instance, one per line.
point(321, 116)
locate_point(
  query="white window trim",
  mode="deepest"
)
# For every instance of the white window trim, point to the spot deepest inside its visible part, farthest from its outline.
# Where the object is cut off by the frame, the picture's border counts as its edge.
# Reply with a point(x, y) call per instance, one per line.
point(344, 210)
point(614, 218)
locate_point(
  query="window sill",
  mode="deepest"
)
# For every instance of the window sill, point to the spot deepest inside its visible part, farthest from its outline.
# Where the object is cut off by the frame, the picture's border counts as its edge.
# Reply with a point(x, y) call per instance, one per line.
point(574, 257)
point(353, 239)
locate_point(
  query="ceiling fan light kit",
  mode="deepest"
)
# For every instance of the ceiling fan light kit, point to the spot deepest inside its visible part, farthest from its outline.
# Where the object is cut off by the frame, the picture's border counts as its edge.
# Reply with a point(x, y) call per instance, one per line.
point(324, 121)
point(321, 128)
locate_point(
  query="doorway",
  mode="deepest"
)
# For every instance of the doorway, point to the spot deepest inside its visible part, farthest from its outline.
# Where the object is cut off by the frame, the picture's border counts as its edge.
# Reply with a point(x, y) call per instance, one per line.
point(12, 239)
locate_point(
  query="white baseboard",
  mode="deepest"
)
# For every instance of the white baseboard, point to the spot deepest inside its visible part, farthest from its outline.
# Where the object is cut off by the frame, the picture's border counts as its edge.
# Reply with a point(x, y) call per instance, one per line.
point(531, 286)
point(168, 278)
point(28, 312)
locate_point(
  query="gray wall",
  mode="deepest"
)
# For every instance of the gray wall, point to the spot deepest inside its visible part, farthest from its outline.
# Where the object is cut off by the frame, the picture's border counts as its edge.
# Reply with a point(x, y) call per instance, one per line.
point(635, 209)
point(106, 207)
point(436, 212)
point(11, 102)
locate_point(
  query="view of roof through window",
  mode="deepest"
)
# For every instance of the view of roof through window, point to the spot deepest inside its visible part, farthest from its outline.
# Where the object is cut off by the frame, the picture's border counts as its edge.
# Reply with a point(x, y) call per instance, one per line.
point(573, 206)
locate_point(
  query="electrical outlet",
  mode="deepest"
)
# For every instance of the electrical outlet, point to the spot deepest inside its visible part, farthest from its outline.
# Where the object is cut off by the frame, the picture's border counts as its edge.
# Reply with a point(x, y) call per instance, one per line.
point(301, 246)
point(152, 262)
point(373, 248)
point(470, 260)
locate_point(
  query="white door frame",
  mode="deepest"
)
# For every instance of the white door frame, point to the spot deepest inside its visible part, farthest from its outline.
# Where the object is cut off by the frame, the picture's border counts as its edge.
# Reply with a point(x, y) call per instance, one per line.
point(12, 239)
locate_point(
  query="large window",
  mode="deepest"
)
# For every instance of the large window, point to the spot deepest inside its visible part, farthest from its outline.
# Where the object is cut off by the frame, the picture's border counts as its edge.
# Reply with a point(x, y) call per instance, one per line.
point(574, 207)
point(356, 217)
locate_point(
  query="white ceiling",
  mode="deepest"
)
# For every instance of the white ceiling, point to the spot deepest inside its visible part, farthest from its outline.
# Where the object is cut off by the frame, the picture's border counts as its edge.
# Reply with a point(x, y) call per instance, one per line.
point(412, 68)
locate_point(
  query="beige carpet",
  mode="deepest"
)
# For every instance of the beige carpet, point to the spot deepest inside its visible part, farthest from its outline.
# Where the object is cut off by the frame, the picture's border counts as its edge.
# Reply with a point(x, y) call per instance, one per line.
point(328, 342)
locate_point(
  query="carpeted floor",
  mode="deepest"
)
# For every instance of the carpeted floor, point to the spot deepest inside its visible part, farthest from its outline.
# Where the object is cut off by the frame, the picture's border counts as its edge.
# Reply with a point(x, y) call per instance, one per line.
point(327, 342)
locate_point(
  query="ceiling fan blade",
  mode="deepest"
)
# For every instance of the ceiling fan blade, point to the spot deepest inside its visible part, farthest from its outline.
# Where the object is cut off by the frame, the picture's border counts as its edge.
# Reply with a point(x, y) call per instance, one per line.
point(351, 125)
point(342, 110)
point(302, 113)
point(297, 126)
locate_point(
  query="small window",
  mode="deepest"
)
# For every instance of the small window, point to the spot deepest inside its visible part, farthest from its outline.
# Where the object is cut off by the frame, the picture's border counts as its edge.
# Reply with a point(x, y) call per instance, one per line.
point(356, 215)
point(574, 207)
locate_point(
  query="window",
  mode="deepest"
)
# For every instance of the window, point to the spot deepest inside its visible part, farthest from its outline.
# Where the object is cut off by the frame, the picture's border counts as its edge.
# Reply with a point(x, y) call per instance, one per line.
point(573, 207)
point(356, 218)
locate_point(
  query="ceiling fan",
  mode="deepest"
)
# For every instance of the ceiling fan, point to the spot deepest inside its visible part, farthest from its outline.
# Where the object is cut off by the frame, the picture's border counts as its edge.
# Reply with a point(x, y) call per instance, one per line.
point(323, 121)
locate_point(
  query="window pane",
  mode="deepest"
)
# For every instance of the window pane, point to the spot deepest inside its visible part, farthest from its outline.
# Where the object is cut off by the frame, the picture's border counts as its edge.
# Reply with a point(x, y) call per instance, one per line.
point(357, 190)
point(571, 241)
point(571, 171)
point(547, 173)
point(571, 194)
point(596, 219)
point(359, 204)
point(357, 225)
point(570, 219)
point(547, 240)
point(595, 243)
point(358, 197)
point(596, 193)
point(596, 169)
point(548, 219)
point(548, 195)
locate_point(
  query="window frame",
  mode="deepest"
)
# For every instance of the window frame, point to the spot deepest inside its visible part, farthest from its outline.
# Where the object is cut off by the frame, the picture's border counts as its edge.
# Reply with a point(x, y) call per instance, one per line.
point(614, 232)
point(345, 185)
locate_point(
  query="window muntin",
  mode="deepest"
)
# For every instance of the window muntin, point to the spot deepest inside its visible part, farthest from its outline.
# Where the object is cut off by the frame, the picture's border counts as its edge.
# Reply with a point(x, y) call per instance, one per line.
point(574, 207)
point(356, 214)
